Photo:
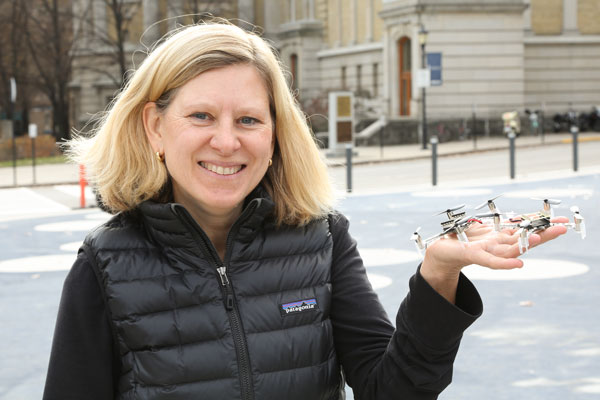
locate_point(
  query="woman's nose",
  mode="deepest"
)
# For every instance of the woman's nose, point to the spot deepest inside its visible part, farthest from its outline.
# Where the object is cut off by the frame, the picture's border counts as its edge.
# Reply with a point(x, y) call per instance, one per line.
point(225, 139)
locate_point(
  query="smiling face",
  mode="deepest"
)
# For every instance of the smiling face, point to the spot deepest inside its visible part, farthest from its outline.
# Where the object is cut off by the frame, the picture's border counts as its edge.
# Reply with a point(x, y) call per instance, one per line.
point(217, 138)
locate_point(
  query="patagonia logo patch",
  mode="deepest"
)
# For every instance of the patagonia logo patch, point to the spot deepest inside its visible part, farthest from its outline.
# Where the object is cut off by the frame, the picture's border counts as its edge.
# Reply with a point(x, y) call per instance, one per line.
point(298, 307)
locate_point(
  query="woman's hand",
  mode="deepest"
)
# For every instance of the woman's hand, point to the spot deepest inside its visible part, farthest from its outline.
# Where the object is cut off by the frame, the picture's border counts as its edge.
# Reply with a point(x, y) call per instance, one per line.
point(445, 258)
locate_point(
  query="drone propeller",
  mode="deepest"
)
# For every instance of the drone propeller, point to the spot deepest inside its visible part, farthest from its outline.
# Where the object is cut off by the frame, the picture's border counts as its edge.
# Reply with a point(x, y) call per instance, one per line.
point(489, 202)
point(488, 215)
point(553, 202)
point(416, 234)
point(450, 210)
point(578, 221)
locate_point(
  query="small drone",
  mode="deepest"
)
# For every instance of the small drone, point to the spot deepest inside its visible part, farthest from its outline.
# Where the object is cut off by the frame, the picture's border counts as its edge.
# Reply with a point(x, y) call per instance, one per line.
point(525, 223)
point(456, 223)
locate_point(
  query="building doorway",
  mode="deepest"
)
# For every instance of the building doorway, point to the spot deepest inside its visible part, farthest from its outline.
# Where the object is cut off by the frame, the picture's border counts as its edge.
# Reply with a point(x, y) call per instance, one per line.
point(404, 75)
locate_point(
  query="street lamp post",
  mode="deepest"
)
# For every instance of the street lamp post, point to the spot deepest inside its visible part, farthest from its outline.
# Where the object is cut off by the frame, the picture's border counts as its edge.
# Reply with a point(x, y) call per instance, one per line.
point(423, 42)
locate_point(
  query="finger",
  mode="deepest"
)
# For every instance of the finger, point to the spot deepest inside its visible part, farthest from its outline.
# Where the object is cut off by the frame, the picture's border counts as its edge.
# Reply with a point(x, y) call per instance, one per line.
point(492, 261)
point(560, 219)
point(546, 235)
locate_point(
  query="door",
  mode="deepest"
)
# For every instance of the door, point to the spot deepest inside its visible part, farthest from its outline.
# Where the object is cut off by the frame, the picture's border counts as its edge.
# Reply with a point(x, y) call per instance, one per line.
point(404, 75)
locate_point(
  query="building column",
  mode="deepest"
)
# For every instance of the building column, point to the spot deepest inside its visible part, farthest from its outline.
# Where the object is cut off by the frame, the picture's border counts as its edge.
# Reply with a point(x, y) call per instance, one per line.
point(151, 17)
point(99, 16)
point(570, 18)
point(174, 10)
point(292, 10)
point(340, 23)
point(369, 22)
point(311, 9)
point(246, 10)
point(354, 18)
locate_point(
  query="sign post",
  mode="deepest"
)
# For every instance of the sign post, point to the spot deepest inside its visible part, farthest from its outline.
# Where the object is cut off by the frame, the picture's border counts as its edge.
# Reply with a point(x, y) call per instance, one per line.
point(33, 134)
point(341, 123)
point(13, 99)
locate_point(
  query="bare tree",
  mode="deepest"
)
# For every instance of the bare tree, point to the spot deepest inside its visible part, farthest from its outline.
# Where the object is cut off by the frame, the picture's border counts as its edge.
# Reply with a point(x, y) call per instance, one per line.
point(49, 37)
point(13, 61)
point(113, 25)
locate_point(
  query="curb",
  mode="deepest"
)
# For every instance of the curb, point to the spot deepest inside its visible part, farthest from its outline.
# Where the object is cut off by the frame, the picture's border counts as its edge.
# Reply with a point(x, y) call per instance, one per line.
point(449, 154)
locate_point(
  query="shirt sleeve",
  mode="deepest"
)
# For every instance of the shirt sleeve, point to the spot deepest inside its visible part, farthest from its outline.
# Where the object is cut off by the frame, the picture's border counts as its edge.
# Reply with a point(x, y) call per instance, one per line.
point(413, 361)
point(82, 363)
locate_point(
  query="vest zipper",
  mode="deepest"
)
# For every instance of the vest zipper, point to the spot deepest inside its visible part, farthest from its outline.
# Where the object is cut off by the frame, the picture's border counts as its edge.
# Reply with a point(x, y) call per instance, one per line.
point(237, 332)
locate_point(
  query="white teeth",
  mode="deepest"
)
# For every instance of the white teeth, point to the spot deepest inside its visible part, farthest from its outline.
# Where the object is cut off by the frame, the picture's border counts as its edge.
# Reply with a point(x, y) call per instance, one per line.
point(221, 170)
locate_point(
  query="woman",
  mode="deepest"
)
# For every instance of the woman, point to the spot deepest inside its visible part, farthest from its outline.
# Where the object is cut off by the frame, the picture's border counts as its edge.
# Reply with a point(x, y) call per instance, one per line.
point(225, 273)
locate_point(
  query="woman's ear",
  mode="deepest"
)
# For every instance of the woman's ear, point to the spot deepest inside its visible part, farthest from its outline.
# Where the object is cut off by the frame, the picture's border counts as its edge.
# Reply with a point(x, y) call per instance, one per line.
point(152, 117)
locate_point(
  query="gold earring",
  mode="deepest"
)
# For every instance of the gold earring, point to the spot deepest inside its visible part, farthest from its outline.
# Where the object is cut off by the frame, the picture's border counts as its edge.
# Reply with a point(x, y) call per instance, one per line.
point(270, 162)
point(160, 157)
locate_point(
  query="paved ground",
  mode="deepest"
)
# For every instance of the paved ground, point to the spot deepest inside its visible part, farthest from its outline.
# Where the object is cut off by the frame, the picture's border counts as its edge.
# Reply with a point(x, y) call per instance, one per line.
point(538, 338)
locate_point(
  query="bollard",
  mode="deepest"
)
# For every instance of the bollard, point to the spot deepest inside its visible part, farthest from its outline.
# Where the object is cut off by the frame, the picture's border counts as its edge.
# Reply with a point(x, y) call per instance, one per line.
point(434, 143)
point(348, 168)
point(575, 132)
point(511, 139)
point(381, 142)
point(33, 158)
point(82, 183)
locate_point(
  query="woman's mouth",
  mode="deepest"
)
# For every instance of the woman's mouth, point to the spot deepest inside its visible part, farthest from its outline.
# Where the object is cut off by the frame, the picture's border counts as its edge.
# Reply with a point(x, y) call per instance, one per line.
point(217, 169)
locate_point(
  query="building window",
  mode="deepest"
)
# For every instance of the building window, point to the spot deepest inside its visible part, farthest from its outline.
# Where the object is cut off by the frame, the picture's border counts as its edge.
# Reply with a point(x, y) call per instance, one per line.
point(343, 77)
point(375, 80)
point(359, 79)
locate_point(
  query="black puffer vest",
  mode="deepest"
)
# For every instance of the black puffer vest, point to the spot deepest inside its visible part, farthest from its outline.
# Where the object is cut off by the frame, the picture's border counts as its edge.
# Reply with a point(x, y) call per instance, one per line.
point(188, 326)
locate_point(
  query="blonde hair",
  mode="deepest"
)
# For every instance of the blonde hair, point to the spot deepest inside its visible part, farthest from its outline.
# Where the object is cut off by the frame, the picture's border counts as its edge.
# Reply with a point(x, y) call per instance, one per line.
point(119, 158)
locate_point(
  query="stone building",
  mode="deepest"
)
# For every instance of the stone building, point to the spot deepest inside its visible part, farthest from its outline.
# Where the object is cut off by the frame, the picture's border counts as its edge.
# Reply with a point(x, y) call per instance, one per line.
point(490, 56)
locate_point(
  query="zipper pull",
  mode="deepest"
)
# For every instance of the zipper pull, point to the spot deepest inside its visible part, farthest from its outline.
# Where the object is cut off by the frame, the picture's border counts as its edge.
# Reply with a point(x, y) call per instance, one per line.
point(223, 274)
point(229, 302)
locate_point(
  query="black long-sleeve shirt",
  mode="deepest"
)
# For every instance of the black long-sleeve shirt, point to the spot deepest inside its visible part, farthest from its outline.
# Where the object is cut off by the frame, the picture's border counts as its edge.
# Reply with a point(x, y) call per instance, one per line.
point(84, 363)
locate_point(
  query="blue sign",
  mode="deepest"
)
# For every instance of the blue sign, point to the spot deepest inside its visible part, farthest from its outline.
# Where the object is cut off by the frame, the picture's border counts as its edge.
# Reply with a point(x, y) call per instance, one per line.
point(434, 63)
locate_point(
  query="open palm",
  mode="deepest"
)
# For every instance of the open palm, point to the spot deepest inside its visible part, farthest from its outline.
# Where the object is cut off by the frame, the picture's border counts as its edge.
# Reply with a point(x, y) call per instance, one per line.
point(486, 247)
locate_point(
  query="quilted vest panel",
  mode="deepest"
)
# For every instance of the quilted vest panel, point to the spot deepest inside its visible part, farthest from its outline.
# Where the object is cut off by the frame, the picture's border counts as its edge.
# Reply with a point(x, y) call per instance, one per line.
point(167, 306)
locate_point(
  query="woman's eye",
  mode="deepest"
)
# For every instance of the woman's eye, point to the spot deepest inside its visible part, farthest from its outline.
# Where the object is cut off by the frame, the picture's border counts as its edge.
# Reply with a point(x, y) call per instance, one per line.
point(248, 120)
point(201, 116)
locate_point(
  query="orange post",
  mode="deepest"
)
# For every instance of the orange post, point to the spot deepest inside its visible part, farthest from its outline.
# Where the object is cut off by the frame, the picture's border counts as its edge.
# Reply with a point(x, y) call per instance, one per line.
point(82, 183)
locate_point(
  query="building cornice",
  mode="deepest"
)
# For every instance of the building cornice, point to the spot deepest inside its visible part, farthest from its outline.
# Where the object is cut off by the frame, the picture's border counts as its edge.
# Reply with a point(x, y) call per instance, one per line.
point(403, 8)
point(305, 27)
point(562, 39)
point(349, 50)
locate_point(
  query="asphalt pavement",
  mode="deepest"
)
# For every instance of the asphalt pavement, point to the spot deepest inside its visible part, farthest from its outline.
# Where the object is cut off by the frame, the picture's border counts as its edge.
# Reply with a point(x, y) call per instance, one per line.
point(538, 337)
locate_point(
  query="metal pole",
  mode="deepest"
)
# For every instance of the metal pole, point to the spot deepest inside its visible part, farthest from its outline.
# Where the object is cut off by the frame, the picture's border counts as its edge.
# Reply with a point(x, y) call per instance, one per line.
point(423, 64)
point(33, 158)
point(381, 142)
point(13, 100)
point(348, 168)
point(473, 131)
point(542, 124)
point(14, 149)
point(511, 139)
point(575, 132)
point(434, 143)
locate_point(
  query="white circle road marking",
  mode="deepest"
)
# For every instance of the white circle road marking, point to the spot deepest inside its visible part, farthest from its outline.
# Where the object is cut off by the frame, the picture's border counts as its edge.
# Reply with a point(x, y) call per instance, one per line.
point(533, 268)
point(374, 257)
point(550, 192)
point(379, 281)
point(54, 262)
point(100, 216)
point(451, 192)
point(71, 247)
point(68, 226)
